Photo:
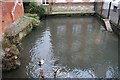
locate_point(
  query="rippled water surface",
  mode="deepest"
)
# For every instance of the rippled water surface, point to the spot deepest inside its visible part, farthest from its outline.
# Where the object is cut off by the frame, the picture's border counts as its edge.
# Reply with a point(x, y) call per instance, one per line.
point(79, 46)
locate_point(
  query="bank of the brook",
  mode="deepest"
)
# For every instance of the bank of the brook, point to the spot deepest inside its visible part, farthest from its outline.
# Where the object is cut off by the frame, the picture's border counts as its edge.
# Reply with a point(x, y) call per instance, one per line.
point(12, 37)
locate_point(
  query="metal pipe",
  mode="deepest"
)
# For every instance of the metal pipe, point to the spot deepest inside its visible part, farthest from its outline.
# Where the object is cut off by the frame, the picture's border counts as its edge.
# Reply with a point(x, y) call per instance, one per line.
point(109, 10)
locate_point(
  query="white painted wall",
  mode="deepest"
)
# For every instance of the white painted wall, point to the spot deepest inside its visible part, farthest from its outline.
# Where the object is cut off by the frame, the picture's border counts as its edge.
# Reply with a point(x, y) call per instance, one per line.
point(114, 3)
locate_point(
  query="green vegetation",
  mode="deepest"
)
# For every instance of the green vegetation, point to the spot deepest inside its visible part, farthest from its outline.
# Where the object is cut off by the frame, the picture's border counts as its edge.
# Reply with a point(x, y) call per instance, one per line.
point(11, 44)
point(10, 60)
point(34, 8)
point(38, 10)
point(34, 17)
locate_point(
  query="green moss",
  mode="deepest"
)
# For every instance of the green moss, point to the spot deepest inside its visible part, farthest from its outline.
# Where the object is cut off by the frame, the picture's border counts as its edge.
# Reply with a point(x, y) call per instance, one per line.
point(10, 65)
point(32, 15)
point(14, 49)
point(35, 21)
point(17, 63)
point(28, 29)
point(6, 43)
point(11, 50)
point(34, 18)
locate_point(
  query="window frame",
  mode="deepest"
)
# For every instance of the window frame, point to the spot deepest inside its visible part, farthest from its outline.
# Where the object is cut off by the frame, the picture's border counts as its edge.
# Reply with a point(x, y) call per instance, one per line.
point(45, 2)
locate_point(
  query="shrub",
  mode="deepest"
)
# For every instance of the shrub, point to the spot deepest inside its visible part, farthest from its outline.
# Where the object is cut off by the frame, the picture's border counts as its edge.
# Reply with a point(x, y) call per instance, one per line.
point(32, 4)
point(38, 10)
point(34, 8)
point(28, 6)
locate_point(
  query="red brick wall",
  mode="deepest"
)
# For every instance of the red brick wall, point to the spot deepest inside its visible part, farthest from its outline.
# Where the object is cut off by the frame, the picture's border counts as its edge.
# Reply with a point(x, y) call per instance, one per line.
point(6, 14)
point(0, 17)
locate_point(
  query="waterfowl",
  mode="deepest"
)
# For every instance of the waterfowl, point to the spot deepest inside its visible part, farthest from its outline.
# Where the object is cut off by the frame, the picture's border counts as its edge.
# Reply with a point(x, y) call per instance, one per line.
point(41, 62)
point(41, 74)
point(56, 72)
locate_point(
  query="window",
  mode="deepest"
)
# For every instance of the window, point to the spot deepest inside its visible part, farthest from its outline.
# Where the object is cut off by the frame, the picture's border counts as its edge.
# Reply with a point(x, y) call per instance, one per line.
point(45, 2)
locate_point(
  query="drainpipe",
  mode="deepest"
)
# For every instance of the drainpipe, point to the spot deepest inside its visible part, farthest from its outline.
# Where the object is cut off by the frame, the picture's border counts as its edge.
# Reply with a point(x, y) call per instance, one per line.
point(101, 7)
point(94, 6)
point(109, 10)
point(118, 19)
point(13, 10)
point(118, 12)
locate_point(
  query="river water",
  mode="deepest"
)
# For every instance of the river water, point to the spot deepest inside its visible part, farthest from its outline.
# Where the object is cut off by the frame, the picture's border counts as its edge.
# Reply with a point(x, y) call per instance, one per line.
point(79, 46)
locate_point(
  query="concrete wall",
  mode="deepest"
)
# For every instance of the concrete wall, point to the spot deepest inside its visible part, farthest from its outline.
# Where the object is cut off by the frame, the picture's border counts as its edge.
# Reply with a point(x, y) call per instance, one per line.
point(81, 6)
point(70, 5)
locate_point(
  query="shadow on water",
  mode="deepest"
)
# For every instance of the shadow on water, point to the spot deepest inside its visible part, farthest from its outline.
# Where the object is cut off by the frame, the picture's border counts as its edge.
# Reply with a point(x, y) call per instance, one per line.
point(79, 46)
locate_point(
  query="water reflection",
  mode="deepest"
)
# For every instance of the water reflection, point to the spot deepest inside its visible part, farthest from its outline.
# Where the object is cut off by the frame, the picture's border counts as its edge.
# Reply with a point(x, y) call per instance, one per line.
point(79, 46)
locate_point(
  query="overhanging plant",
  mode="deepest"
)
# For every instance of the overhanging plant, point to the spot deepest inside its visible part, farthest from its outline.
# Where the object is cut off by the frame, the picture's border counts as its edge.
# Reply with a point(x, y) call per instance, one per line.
point(39, 10)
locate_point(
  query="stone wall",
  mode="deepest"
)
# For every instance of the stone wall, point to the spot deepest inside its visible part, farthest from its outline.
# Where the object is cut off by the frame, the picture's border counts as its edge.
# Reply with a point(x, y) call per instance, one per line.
point(61, 7)
point(71, 8)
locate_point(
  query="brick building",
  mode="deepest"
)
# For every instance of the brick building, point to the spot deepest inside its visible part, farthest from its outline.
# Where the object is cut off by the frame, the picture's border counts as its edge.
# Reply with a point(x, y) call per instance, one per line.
point(68, 5)
point(47, 2)
point(11, 11)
